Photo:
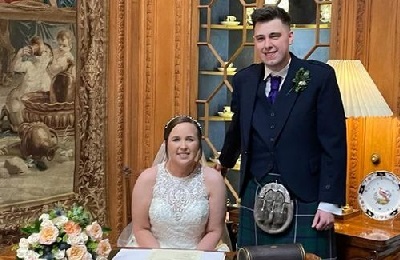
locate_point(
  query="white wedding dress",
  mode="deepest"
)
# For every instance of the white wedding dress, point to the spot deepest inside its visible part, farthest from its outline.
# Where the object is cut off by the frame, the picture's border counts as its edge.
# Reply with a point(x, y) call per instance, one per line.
point(179, 210)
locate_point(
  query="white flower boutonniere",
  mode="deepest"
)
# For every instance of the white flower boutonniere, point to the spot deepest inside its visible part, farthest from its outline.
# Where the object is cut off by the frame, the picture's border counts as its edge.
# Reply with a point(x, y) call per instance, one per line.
point(301, 80)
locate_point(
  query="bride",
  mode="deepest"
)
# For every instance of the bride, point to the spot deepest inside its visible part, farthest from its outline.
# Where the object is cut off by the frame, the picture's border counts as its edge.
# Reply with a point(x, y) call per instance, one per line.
point(179, 202)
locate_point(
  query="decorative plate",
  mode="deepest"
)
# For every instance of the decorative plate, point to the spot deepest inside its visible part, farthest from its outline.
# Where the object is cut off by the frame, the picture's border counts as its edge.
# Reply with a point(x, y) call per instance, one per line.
point(379, 195)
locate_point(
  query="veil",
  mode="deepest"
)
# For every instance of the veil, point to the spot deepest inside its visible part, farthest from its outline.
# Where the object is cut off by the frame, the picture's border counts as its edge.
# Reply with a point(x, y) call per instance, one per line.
point(126, 238)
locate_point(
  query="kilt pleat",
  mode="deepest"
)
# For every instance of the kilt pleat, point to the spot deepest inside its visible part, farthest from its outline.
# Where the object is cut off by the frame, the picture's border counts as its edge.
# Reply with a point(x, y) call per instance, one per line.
point(321, 243)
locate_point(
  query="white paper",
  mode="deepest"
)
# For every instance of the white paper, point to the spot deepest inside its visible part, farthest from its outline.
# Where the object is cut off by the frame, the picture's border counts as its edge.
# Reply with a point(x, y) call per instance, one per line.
point(160, 254)
point(167, 254)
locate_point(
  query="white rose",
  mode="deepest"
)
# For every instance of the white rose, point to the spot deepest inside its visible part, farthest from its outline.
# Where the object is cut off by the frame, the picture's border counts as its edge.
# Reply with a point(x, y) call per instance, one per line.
point(44, 217)
point(59, 254)
point(88, 256)
point(84, 237)
point(77, 239)
point(24, 243)
point(22, 252)
point(32, 255)
point(46, 223)
point(60, 221)
point(34, 238)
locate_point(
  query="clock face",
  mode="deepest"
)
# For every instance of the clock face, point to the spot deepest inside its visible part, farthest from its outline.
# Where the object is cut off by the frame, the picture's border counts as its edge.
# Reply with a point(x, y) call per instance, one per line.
point(379, 195)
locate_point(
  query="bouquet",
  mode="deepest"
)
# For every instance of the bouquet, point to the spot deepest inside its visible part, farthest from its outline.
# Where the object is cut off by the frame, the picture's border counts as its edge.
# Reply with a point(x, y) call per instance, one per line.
point(64, 234)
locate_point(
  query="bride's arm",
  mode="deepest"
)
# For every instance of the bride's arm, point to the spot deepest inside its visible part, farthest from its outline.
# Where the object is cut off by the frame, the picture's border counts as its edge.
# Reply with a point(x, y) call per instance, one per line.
point(141, 197)
point(217, 195)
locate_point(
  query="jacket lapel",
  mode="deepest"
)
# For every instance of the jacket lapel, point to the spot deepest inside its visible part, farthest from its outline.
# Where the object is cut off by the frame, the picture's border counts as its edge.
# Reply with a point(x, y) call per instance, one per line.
point(248, 99)
point(287, 98)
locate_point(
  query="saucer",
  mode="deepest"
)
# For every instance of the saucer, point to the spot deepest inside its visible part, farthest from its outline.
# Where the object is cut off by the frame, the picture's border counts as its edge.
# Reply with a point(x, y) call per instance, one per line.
point(225, 114)
point(227, 69)
point(230, 23)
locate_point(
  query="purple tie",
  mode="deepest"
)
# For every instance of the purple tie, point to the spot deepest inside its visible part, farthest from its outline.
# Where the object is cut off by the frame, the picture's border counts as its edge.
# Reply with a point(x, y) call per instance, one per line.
point(275, 83)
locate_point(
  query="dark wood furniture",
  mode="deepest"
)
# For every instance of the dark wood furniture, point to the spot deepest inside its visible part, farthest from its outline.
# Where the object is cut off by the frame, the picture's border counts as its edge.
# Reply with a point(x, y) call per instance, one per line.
point(360, 237)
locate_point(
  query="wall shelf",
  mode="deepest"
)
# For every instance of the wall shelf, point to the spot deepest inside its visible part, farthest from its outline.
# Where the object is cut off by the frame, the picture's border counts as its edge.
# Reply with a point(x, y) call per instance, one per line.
point(215, 118)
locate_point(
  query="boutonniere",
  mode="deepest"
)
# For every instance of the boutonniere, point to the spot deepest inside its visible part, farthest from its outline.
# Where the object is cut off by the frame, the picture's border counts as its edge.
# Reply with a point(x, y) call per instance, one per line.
point(301, 80)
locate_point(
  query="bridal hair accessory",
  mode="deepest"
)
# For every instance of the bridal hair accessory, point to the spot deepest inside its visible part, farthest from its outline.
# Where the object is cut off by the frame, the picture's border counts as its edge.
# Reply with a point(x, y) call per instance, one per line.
point(181, 119)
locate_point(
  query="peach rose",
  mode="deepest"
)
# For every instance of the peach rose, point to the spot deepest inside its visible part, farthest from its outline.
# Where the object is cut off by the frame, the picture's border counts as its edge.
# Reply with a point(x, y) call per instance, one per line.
point(103, 248)
point(94, 231)
point(72, 228)
point(48, 235)
point(77, 252)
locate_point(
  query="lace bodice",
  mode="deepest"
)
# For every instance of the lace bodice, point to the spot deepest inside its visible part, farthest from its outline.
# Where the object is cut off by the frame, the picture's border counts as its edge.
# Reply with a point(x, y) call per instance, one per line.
point(179, 209)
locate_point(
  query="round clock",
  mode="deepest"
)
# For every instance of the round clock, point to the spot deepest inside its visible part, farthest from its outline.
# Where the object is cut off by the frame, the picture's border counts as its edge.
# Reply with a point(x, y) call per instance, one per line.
point(379, 195)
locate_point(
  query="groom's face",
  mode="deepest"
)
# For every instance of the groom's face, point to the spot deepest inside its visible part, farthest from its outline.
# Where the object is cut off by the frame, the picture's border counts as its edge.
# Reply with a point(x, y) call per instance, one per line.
point(271, 42)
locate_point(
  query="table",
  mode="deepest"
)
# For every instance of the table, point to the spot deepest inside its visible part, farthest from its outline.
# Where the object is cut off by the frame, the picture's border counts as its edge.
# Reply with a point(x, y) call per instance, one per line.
point(228, 255)
point(8, 254)
point(360, 237)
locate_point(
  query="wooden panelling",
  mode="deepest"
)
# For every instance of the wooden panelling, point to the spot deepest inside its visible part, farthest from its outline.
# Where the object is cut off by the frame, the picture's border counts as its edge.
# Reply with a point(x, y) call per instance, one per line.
point(149, 79)
point(383, 58)
point(368, 136)
point(364, 30)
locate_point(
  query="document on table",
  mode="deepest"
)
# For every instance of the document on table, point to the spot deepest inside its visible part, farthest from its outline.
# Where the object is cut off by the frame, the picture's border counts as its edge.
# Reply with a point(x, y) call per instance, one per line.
point(167, 254)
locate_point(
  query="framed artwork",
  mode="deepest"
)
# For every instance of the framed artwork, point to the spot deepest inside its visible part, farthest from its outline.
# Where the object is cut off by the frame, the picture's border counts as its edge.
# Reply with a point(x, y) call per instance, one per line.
point(52, 101)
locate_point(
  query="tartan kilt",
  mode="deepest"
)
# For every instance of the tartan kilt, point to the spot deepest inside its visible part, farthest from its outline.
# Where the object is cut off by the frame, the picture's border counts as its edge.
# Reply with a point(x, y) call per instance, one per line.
point(321, 243)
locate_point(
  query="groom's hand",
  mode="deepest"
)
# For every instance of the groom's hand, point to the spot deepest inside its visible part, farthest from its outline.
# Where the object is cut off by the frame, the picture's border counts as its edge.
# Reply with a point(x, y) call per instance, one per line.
point(223, 170)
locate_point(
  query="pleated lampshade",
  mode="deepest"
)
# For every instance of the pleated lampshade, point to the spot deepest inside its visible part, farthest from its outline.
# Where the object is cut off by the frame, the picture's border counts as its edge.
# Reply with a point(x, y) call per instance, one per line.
point(360, 95)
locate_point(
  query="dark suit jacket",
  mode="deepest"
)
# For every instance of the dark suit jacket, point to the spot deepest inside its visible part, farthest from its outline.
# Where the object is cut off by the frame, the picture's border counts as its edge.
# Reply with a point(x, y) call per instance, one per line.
point(309, 144)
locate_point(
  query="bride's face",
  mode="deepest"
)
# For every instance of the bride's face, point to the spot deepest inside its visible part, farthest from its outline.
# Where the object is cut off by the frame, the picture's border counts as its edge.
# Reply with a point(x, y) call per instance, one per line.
point(183, 144)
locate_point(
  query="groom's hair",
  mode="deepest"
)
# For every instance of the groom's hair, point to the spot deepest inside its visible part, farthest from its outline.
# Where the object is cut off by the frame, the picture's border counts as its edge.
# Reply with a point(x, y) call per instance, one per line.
point(269, 13)
point(179, 120)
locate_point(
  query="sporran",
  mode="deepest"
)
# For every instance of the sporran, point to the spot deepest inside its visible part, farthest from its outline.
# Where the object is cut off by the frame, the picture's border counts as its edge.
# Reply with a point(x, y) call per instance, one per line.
point(273, 208)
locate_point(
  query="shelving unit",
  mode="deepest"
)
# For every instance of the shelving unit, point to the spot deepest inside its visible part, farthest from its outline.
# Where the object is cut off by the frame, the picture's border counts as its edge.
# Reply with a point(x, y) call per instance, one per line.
point(220, 46)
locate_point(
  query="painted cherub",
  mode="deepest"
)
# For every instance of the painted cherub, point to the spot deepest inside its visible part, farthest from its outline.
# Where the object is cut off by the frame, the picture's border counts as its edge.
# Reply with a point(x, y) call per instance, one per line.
point(63, 58)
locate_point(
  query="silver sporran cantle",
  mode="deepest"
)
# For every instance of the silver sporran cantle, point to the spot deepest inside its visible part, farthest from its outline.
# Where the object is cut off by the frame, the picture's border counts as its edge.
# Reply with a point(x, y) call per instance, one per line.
point(273, 208)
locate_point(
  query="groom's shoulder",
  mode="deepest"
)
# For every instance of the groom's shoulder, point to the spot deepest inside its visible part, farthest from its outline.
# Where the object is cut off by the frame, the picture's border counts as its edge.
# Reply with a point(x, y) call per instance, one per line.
point(251, 69)
point(317, 65)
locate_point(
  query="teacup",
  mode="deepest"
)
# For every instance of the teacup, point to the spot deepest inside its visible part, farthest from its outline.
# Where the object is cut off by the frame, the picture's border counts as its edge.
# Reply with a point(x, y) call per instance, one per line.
point(230, 18)
point(230, 65)
point(227, 109)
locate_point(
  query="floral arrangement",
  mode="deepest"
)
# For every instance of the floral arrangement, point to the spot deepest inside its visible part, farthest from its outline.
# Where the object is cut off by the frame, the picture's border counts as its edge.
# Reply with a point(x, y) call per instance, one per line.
point(64, 234)
point(301, 80)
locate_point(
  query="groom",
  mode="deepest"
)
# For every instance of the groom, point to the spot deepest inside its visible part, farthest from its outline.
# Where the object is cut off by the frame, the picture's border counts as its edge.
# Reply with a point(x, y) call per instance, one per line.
point(289, 127)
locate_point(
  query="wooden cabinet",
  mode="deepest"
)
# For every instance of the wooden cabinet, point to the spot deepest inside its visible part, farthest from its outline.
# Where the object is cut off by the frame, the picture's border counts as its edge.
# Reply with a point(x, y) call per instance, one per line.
point(360, 237)
point(223, 47)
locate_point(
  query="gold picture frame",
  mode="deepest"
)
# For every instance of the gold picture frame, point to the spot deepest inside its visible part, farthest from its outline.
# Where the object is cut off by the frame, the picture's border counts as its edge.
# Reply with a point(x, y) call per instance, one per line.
point(90, 102)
